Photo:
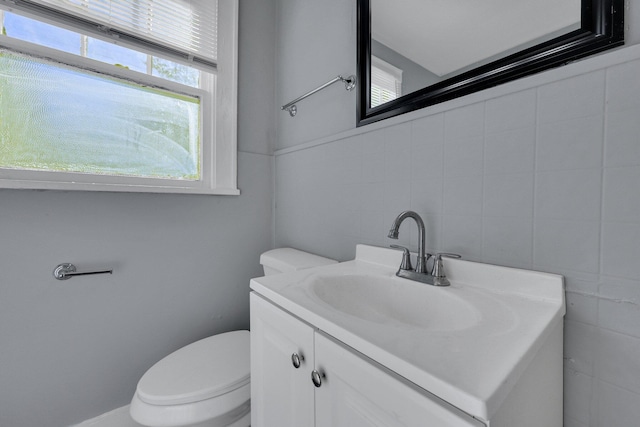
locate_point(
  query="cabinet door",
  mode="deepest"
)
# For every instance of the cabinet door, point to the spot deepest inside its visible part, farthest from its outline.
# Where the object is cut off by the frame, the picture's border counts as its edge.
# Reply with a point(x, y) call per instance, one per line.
point(281, 395)
point(355, 392)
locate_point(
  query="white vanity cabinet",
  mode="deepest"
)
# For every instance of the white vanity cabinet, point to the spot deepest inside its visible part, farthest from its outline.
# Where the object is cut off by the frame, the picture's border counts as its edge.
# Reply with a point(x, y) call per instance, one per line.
point(485, 351)
point(281, 395)
point(354, 391)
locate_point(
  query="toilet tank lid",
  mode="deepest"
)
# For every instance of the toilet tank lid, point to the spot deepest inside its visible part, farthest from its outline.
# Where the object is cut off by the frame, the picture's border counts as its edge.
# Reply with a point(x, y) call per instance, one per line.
point(205, 369)
point(289, 259)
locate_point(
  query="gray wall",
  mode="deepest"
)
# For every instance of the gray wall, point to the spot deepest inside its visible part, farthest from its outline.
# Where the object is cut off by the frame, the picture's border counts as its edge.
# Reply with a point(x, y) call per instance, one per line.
point(75, 349)
point(542, 173)
point(315, 42)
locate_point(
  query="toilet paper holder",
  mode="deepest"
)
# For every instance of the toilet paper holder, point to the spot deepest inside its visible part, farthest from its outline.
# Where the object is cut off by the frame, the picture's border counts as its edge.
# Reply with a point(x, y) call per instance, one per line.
point(67, 270)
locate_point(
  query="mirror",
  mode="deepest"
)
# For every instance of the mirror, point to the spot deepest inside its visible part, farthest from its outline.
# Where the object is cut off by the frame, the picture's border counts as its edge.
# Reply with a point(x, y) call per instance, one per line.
point(416, 53)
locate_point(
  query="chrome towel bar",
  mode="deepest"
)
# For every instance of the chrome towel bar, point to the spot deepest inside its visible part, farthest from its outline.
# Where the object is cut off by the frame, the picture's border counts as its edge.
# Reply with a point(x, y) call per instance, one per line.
point(67, 271)
point(349, 84)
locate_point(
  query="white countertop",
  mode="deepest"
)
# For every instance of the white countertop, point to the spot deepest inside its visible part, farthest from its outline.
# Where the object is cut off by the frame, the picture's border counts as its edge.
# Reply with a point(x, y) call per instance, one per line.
point(473, 368)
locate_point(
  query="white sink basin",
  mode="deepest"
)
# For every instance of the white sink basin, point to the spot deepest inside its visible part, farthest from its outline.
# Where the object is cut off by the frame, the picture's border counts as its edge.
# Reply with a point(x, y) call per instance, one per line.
point(388, 300)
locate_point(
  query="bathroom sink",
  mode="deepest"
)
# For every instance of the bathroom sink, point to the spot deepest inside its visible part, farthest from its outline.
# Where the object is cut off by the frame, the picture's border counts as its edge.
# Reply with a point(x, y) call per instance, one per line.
point(468, 343)
point(388, 300)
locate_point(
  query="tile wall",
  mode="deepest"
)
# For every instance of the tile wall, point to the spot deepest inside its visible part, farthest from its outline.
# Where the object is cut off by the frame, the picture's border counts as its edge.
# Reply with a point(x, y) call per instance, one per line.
point(545, 178)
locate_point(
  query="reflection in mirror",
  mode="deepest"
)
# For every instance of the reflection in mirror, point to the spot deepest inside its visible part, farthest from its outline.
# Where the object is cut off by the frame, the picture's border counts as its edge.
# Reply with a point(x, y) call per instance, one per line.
point(414, 53)
point(386, 81)
point(433, 40)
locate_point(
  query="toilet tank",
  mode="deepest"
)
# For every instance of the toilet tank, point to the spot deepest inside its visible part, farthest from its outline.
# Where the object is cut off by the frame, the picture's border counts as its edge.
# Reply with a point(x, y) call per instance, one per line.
point(283, 260)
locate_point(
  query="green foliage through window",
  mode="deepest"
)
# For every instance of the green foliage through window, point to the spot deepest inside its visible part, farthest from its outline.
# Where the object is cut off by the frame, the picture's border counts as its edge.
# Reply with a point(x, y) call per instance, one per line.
point(55, 118)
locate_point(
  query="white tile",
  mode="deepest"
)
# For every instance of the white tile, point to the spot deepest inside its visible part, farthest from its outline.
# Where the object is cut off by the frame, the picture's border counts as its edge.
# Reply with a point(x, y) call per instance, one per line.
point(580, 346)
point(284, 162)
point(623, 86)
point(619, 307)
point(286, 192)
point(344, 160)
point(462, 235)
point(463, 195)
point(622, 194)
point(346, 247)
point(622, 141)
point(582, 308)
point(513, 111)
point(428, 129)
point(574, 97)
point(569, 245)
point(570, 144)
point(511, 151)
point(577, 395)
point(374, 240)
point(617, 407)
point(509, 195)
point(398, 152)
point(372, 197)
point(284, 231)
point(397, 196)
point(433, 225)
point(346, 196)
point(336, 246)
point(618, 360)
point(571, 194)
point(621, 250)
point(464, 156)
point(464, 122)
point(340, 222)
point(508, 241)
point(373, 157)
point(310, 158)
point(427, 147)
point(578, 282)
point(373, 223)
point(426, 195)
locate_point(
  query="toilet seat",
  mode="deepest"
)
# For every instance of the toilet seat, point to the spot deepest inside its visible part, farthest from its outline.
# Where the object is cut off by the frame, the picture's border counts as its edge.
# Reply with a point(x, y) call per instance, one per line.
point(203, 370)
point(206, 380)
point(223, 411)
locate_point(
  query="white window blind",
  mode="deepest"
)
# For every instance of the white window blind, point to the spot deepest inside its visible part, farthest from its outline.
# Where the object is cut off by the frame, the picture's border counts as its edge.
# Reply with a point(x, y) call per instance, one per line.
point(186, 26)
point(386, 82)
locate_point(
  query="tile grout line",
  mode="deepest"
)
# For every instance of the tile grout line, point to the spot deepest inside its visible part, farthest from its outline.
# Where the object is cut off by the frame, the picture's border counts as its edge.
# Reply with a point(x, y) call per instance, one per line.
point(484, 181)
point(536, 135)
point(604, 134)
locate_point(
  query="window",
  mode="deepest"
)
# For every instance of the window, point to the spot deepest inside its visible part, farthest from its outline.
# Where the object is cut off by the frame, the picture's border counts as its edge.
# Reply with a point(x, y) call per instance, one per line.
point(386, 82)
point(120, 95)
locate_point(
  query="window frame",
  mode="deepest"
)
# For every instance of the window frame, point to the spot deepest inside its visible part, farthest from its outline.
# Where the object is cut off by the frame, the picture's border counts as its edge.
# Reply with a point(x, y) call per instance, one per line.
point(218, 100)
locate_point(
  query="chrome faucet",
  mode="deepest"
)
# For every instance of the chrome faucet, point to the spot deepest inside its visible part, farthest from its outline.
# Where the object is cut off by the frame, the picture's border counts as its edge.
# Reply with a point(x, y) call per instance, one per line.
point(421, 264)
point(420, 274)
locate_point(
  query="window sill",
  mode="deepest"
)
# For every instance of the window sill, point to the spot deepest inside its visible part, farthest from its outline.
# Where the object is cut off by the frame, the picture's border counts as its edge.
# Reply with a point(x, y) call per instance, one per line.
point(118, 188)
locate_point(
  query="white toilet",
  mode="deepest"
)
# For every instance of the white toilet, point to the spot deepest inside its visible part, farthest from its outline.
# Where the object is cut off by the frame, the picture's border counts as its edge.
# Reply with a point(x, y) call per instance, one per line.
point(207, 383)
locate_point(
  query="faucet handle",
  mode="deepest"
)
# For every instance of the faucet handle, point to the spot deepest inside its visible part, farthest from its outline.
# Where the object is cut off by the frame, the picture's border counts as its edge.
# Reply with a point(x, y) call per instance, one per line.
point(438, 269)
point(406, 258)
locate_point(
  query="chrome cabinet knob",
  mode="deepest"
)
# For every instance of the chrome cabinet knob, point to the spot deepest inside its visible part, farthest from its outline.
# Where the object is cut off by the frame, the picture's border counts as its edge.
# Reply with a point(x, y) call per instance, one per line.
point(316, 378)
point(296, 360)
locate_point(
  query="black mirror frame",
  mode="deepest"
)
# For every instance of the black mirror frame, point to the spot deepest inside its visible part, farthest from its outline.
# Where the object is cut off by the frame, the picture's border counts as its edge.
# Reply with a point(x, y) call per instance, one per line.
point(602, 28)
